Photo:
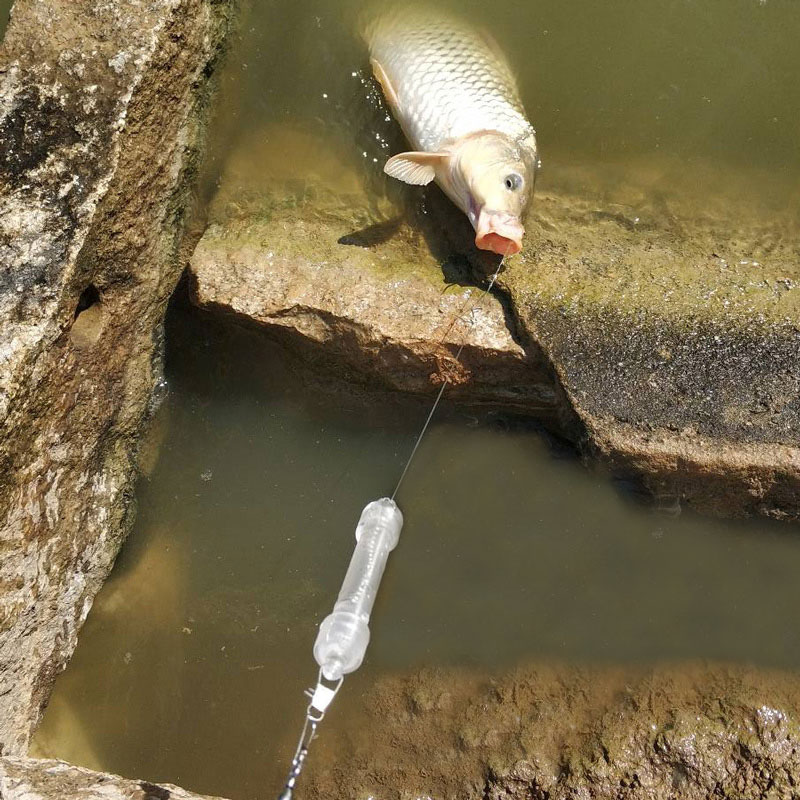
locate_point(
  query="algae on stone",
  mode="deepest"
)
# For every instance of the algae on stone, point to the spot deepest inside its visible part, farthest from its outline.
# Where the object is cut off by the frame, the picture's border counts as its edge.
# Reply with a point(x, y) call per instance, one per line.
point(674, 327)
point(288, 252)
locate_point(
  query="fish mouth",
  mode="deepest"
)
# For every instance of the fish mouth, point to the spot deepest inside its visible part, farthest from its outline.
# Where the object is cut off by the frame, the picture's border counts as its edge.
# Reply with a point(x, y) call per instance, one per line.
point(498, 232)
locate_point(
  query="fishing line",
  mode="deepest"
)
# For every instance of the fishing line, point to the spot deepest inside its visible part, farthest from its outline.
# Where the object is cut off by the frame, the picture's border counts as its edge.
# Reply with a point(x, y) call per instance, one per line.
point(445, 382)
point(344, 634)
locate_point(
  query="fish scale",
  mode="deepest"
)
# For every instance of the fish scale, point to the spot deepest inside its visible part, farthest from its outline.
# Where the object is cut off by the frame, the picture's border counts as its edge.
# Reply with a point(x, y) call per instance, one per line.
point(449, 81)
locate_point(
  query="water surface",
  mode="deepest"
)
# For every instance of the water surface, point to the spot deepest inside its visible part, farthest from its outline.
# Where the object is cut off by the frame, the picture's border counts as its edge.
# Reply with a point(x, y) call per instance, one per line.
point(191, 666)
point(5, 10)
point(660, 87)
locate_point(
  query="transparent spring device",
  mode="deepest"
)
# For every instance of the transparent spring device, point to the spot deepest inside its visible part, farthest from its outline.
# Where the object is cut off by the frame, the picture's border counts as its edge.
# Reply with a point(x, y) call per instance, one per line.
point(344, 634)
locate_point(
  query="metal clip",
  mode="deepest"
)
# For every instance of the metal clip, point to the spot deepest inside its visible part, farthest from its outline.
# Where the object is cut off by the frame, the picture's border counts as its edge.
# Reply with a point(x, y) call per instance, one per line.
point(321, 697)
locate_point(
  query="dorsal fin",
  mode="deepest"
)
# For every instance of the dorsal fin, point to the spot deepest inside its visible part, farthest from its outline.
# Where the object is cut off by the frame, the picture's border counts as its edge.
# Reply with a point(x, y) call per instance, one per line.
point(388, 90)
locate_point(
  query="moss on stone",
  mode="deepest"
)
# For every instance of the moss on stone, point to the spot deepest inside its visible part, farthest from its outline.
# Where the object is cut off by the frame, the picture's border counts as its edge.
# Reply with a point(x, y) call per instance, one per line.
point(672, 258)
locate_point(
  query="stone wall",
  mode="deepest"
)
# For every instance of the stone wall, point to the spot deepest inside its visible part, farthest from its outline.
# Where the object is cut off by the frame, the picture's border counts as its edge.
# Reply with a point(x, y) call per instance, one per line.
point(101, 108)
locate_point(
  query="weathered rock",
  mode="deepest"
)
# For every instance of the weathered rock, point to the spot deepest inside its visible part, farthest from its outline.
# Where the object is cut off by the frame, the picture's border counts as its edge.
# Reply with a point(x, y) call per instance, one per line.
point(100, 115)
point(557, 732)
point(661, 333)
point(45, 779)
point(383, 314)
point(674, 328)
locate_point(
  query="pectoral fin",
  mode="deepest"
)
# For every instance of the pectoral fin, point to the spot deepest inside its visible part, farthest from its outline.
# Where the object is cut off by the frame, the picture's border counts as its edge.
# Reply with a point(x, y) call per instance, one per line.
point(414, 167)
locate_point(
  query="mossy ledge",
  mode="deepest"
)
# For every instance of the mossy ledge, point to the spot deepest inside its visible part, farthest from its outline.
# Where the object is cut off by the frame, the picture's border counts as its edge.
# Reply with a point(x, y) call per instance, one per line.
point(659, 332)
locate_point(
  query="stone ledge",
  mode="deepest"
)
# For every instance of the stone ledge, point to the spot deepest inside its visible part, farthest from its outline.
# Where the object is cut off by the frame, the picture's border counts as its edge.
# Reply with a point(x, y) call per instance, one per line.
point(47, 779)
point(674, 328)
point(659, 332)
point(359, 311)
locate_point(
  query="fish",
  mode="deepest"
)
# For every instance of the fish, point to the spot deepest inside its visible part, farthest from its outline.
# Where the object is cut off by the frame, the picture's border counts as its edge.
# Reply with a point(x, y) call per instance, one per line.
point(456, 98)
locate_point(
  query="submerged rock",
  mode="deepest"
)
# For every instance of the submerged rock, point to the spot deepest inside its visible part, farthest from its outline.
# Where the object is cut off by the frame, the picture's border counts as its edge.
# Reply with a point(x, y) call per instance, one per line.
point(540, 731)
point(659, 332)
point(557, 732)
point(100, 115)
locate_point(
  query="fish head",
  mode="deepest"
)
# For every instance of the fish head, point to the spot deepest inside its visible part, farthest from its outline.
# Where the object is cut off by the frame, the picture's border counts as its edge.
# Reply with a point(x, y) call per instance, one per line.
point(491, 178)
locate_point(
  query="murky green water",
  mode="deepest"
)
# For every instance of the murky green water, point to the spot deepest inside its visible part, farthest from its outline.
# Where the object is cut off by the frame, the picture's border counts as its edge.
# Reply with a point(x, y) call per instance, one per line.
point(662, 86)
point(5, 10)
point(191, 666)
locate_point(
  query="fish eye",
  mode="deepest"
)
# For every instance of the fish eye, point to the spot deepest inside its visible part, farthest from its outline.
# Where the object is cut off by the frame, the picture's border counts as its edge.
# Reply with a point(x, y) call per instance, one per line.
point(513, 181)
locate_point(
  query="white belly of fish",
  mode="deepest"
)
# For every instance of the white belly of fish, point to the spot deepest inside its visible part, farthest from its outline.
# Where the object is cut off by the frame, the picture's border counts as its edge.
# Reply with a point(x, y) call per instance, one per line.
point(447, 81)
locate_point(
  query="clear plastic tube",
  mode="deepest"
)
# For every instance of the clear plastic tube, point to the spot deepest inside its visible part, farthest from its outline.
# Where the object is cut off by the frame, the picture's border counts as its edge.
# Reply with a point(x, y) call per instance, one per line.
point(344, 634)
